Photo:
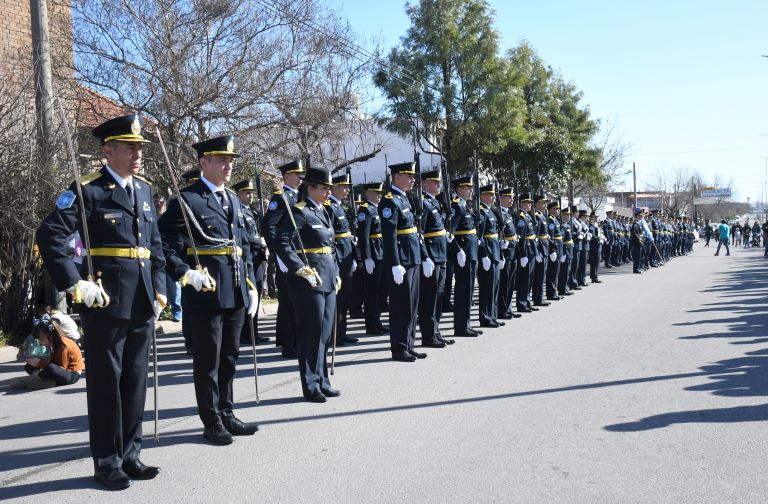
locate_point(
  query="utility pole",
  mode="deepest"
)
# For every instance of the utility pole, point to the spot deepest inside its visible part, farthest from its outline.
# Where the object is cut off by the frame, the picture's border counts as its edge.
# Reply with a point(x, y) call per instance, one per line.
point(41, 57)
point(634, 184)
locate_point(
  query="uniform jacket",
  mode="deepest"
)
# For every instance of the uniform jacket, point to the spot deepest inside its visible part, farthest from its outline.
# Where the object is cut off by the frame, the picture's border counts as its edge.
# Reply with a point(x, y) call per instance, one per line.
point(554, 228)
point(527, 235)
point(433, 221)
point(209, 219)
point(345, 249)
point(401, 241)
point(258, 251)
point(462, 220)
point(369, 232)
point(275, 212)
point(540, 221)
point(508, 232)
point(316, 231)
point(488, 244)
point(113, 221)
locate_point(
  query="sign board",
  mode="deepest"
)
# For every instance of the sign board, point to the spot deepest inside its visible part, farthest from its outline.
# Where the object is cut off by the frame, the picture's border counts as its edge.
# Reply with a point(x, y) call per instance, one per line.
point(706, 201)
point(716, 193)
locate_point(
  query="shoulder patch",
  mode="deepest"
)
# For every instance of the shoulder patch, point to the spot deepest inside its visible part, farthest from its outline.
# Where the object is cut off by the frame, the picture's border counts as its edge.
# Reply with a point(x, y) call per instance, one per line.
point(87, 179)
point(361, 216)
point(521, 223)
point(551, 227)
point(386, 212)
point(272, 205)
point(388, 195)
point(65, 200)
point(300, 204)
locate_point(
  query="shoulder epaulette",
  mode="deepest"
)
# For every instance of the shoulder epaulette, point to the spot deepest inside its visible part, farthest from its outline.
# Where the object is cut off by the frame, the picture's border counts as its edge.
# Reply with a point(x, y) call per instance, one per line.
point(388, 195)
point(456, 200)
point(522, 214)
point(230, 190)
point(300, 204)
point(142, 179)
point(549, 217)
point(278, 192)
point(364, 205)
point(327, 203)
point(87, 179)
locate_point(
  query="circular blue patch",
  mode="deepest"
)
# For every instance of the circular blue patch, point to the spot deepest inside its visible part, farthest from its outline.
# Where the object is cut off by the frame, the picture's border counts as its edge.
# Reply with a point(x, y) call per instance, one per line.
point(521, 223)
point(386, 213)
point(272, 205)
point(361, 217)
point(65, 200)
point(551, 226)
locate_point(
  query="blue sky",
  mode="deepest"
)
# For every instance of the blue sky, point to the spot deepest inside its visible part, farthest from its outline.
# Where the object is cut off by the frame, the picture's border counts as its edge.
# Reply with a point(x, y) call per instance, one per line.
point(684, 80)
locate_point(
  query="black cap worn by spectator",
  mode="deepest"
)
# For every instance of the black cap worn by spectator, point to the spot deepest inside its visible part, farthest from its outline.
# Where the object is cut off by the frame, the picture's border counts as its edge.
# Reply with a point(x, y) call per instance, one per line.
point(121, 129)
point(223, 145)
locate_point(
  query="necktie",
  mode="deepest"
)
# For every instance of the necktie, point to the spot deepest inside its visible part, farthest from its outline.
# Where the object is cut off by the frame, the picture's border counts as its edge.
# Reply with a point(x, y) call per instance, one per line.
point(129, 191)
point(224, 203)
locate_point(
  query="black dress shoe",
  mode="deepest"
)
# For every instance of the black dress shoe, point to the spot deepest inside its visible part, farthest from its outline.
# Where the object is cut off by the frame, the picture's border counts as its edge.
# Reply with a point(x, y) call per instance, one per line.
point(447, 341)
point(418, 355)
point(238, 428)
point(403, 357)
point(514, 315)
point(543, 303)
point(348, 339)
point(315, 396)
point(554, 298)
point(476, 331)
point(489, 324)
point(217, 434)
point(115, 479)
point(569, 293)
point(524, 309)
point(435, 343)
point(262, 339)
point(330, 392)
point(506, 316)
point(135, 469)
point(533, 308)
point(597, 281)
point(576, 288)
point(500, 323)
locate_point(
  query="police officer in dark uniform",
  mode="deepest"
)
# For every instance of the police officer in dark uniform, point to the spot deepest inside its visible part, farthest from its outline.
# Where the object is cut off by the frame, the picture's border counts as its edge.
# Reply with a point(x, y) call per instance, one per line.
point(312, 281)
point(567, 257)
point(581, 272)
point(542, 250)
point(285, 325)
point(509, 252)
point(403, 255)
point(594, 248)
point(344, 253)
point(128, 268)
point(637, 240)
point(245, 190)
point(527, 252)
point(372, 255)
point(217, 296)
point(436, 242)
point(609, 229)
point(555, 252)
point(579, 233)
point(358, 277)
point(489, 253)
point(463, 252)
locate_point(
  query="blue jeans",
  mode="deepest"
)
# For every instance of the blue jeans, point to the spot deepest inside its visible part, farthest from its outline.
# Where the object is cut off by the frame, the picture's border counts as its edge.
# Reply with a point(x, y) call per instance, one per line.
point(174, 296)
point(720, 244)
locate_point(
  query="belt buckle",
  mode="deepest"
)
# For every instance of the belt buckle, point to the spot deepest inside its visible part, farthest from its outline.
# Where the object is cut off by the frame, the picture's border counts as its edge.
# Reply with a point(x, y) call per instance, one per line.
point(140, 252)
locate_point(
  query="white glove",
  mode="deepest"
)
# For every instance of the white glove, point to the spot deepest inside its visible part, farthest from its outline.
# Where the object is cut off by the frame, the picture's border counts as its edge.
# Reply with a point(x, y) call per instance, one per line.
point(589, 236)
point(354, 265)
point(581, 236)
point(398, 272)
point(428, 267)
point(281, 265)
point(253, 297)
point(539, 258)
point(338, 284)
point(553, 256)
point(369, 265)
point(502, 264)
point(89, 293)
point(504, 244)
point(524, 261)
point(486, 263)
point(461, 258)
point(197, 279)
point(563, 258)
point(157, 309)
point(449, 237)
point(262, 241)
point(309, 275)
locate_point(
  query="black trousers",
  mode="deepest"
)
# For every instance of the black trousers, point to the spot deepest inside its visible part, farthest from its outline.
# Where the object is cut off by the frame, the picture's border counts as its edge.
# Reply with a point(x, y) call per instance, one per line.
point(507, 285)
point(637, 252)
point(565, 270)
point(488, 291)
point(582, 269)
point(464, 285)
point(358, 286)
point(404, 305)
point(216, 335)
point(372, 308)
point(539, 275)
point(448, 289)
point(523, 284)
point(314, 324)
point(607, 251)
point(553, 276)
point(343, 298)
point(573, 279)
point(594, 262)
point(116, 384)
point(430, 303)
point(285, 325)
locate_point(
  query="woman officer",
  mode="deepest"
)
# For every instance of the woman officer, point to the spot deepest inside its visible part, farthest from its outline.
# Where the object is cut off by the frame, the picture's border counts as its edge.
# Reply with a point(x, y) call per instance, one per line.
point(313, 280)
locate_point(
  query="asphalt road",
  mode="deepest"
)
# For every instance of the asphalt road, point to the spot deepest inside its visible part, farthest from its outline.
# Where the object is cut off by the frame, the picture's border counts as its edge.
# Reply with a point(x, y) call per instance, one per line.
point(645, 388)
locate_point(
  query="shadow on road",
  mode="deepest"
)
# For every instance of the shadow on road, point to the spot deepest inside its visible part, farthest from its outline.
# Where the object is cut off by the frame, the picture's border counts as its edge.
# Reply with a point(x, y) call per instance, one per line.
point(744, 298)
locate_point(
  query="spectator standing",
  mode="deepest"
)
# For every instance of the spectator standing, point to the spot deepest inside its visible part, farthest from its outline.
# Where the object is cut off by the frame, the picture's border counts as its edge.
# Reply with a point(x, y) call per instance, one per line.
point(723, 231)
point(707, 233)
